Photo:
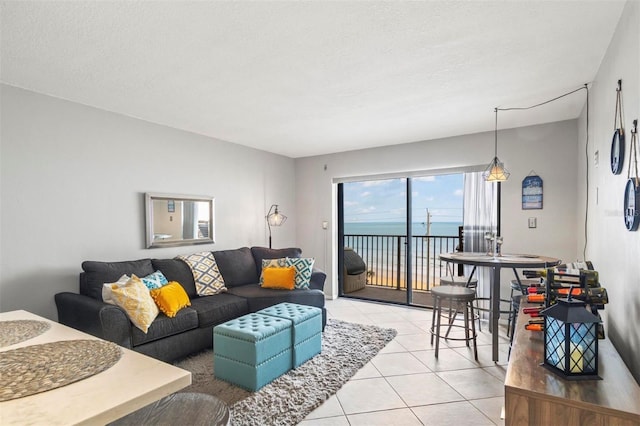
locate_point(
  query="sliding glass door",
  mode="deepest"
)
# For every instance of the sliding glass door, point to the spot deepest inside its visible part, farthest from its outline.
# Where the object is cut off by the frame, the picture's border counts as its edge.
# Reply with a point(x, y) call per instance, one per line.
point(391, 232)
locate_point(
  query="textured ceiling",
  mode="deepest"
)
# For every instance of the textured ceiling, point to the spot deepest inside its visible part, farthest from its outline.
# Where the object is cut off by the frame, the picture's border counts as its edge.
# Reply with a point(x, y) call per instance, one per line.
point(312, 77)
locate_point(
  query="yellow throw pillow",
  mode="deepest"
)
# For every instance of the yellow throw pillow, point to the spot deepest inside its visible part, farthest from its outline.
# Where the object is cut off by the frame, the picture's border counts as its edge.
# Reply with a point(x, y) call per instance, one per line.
point(136, 301)
point(170, 298)
point(282, 278)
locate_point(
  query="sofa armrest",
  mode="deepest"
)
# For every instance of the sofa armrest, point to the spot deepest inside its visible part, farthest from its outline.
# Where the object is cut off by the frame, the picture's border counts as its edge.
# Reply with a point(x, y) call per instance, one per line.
point(95, 317)
point(317, 279)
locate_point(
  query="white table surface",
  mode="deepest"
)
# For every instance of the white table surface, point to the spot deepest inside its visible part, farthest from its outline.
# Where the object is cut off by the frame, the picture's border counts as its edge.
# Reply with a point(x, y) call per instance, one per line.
point(134, 381)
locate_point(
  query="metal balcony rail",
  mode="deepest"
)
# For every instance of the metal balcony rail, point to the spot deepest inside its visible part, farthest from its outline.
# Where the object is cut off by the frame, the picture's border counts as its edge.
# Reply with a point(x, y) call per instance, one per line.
point(385, 257)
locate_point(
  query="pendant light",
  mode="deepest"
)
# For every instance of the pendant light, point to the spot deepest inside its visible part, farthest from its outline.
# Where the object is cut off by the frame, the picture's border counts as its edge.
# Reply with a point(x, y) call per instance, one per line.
point(496, 172)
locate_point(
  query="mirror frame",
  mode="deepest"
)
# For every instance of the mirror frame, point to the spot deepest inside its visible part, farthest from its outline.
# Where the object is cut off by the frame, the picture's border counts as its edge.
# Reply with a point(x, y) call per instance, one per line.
point(150, 240)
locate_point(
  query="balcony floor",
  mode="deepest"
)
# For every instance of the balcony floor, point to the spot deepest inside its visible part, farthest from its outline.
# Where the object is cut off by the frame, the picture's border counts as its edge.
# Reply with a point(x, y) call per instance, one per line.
point(386, 294)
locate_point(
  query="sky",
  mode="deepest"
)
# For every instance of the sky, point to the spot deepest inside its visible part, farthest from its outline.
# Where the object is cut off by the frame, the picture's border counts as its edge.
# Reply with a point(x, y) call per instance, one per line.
point(385, 200)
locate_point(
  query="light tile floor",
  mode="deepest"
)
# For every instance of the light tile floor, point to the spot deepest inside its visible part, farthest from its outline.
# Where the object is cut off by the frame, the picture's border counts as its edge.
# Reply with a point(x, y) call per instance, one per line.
point(405, 384)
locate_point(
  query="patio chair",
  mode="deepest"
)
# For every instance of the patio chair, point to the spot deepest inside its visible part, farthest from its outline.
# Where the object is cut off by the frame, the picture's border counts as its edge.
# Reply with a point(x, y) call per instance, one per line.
point(355, 271)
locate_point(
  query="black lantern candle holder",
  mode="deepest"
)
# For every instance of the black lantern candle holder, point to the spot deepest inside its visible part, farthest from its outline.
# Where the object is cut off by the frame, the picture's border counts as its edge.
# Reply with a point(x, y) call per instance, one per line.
point(571, 340)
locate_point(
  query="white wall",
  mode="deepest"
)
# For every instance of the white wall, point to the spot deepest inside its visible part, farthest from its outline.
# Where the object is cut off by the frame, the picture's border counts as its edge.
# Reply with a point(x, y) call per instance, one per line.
point(72, 184)
point(614, 250)
point(548, 149)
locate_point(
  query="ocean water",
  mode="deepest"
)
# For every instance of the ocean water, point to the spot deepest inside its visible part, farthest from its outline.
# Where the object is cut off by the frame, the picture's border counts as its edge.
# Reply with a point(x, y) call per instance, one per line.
point(439, 229)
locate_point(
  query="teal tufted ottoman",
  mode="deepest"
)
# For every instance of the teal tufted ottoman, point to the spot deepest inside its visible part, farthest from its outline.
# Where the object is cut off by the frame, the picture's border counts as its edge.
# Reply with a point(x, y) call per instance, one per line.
point(252, 350)
point(307, 329)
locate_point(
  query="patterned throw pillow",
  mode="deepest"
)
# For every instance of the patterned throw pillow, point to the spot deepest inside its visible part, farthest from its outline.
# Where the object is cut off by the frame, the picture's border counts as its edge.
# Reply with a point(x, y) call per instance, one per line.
point(206, 274)
point(155, 280)
point(170, 298)
point(279, 278)
point(106, 289)
point(136, 301)
point(303, 266)
point(271, 263)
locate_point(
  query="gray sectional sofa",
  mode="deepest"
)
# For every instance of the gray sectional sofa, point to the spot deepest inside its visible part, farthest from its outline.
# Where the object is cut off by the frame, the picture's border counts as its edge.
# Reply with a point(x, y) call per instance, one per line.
point(191, 330)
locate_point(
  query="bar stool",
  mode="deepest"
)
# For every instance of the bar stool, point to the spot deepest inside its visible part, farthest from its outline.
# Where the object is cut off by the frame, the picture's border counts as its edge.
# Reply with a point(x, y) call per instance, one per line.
point(462, 298)
point(463, 281)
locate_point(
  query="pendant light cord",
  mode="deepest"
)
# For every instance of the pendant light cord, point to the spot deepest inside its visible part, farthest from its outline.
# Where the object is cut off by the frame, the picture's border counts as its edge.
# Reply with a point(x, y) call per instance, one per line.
point(586, 154)
point(495, 151)
point(585, 87)
point(545, 102)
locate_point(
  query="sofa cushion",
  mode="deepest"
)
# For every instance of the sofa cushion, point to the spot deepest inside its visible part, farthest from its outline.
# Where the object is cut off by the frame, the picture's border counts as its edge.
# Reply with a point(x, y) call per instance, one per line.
point(271, 263)
point(135, 300)
point(304, 267)
point(260, 298)
point(206, 274)
point(280, 278)
point(155, 280)
point(213, 310)
point(98, 273)
point(236, 266)
point(177, 270)
point(261, 253)
point(163, 326)
point(106, 289)
point(170, 298)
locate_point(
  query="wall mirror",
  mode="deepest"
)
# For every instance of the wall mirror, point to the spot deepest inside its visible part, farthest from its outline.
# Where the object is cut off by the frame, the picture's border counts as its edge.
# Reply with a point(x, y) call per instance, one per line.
point(179, 220)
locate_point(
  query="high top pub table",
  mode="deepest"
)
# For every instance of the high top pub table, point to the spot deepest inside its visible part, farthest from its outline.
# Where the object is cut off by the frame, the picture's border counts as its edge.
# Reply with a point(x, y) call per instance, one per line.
point(496, 263)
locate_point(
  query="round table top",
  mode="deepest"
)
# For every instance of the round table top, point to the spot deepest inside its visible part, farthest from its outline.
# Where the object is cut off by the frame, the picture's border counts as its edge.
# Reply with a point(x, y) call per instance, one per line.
point(508, 260)
point(180, 408)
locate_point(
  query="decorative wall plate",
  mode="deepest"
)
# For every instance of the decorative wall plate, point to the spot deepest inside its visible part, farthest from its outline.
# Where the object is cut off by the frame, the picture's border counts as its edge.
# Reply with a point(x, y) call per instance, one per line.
point(617, 151)
point(632, 205)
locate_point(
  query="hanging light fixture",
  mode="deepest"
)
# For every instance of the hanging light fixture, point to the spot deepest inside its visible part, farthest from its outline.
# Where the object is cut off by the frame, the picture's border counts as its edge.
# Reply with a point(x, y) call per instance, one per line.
point(274, 218)
point(496, 172)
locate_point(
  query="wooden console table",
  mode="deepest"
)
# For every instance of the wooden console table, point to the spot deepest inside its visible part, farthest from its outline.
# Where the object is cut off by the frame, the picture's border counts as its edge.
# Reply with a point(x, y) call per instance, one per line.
point(536, 396)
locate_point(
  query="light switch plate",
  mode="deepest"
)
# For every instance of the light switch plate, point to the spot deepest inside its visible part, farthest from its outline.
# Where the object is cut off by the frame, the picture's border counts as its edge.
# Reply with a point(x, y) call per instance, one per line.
point(533, 222)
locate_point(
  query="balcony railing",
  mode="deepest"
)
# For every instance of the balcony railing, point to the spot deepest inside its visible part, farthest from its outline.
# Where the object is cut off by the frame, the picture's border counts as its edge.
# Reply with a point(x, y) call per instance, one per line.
point(385, 257)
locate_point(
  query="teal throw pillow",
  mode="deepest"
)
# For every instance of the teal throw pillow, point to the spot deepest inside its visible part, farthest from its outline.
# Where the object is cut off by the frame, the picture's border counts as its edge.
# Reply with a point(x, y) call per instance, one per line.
point(303, 266)
point(155, 280)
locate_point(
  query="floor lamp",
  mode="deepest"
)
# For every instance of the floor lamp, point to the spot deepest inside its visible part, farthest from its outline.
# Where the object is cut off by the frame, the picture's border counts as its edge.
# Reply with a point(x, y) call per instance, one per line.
point(274, 218)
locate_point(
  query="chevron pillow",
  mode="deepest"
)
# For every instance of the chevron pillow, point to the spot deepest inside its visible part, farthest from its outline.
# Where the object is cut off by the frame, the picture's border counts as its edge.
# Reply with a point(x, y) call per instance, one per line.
point(304, 267)
point(206, 274)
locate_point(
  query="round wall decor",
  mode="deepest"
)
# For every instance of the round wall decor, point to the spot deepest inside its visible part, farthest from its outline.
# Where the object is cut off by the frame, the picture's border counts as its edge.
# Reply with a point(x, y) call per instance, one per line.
point(617, 143)
point(617, 151)
point(632, 205)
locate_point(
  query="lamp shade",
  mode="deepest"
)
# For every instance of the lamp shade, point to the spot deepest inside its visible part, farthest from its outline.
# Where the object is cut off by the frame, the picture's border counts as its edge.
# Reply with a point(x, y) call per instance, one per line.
point(496, 172)
point(275, 218)
point(571, 340)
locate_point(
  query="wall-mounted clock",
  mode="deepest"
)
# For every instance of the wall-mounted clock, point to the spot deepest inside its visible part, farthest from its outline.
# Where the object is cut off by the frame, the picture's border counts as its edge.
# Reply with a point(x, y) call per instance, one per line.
point(617, 151)
point(632, 204)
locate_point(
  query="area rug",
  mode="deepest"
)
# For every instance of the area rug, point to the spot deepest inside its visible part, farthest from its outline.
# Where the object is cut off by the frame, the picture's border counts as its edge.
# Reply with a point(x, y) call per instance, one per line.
point(346, 347)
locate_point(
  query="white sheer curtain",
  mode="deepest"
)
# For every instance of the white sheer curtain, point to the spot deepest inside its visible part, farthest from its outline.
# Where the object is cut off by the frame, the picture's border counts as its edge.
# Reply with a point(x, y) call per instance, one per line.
point(479, 216)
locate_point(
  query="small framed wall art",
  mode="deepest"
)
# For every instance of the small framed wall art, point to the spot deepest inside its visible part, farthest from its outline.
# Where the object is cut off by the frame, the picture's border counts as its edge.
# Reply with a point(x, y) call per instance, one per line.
point(532, 192)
